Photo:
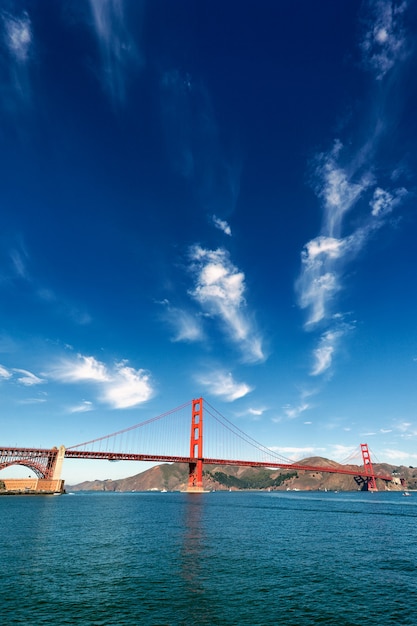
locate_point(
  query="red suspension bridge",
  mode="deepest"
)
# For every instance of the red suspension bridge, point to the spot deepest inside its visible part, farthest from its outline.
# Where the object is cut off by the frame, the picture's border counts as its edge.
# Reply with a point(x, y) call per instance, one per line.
point(167, 438)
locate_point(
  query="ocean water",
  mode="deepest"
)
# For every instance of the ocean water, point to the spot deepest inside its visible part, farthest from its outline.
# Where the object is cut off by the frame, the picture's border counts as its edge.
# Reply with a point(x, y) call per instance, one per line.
point(168, 559)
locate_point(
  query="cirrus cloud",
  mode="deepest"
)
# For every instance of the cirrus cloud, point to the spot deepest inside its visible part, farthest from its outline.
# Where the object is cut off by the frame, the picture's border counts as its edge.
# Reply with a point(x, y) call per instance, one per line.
point(223, 385)
point(384, 41)
point(220, 290)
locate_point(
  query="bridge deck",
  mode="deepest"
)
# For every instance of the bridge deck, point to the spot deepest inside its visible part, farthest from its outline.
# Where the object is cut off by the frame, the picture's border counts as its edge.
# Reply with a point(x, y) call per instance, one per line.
point(125, 456)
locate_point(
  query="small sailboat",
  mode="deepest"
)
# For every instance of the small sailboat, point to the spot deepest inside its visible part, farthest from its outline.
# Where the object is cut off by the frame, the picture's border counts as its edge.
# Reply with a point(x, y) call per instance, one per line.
point(407, 494)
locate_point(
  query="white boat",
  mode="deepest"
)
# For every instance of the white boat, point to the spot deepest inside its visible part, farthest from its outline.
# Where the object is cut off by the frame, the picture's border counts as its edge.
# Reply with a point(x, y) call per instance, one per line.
point(406, 493)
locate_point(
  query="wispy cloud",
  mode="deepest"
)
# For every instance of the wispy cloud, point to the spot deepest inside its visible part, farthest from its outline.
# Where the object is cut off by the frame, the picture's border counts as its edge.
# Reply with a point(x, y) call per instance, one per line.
point(297, 454)
point(20, 376)
point(223, 385)
point(81, 369)
point(19, 259)
point(186, 325)
point(345, 182)
point(27, 378)
point(222, 225)
point(18, 36)
point(257, 412)
point(84, 407)
point(398, 456)
point(5, 373)
point(328, 343)
point(18, 41)
point(324, 259)
point(220, 290)
point(384, 40)
point(384, 202)
point(120, 386)
point(293, 412)
point(39, 400)
point(118, 49)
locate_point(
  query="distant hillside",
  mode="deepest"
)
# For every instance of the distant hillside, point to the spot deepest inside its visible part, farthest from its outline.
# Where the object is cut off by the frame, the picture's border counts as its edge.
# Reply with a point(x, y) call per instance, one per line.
point(173, 477)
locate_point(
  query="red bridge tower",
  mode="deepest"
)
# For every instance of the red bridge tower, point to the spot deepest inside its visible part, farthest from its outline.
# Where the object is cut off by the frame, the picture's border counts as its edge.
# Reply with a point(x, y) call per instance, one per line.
point(195, 467)
point(369, 470)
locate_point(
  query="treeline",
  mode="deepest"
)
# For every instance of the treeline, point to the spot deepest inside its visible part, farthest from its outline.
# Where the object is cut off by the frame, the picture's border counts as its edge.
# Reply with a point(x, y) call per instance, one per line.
point(261, 480)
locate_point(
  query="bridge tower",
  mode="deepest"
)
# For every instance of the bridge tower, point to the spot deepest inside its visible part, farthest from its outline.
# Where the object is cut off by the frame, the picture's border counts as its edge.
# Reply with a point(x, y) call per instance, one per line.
point(195, 467)
point(369, 470)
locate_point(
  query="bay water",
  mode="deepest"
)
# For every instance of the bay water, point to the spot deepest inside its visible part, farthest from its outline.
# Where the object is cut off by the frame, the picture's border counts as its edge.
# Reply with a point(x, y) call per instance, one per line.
point(171, 559)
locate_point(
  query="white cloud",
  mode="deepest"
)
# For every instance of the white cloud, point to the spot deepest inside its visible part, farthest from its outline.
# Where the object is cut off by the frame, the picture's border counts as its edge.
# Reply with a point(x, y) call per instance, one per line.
point(384, 41)
point(27, 378)
point(295, 411)
point(398, 456)
point(383, 202)
point(187, 327)
point(324, 258)
point(326, 247)
point(336, 188)
point(323, 357)
point(33, 400)
point(257, 412)
point(298, 453)
point(5, 373)
point(82, 368)
point(117, 48)
point(18, 39)
point(220, 289)
point(120, 386)
point(18, 36)
point(222, 384)
point(222, 225)
point(128, 387)
point(323, 354)
point(83, 407)
point(24, 377)
point(19, 259)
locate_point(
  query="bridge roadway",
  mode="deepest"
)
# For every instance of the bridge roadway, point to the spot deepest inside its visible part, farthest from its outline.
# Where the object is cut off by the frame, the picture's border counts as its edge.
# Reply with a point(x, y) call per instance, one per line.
point(126, 456)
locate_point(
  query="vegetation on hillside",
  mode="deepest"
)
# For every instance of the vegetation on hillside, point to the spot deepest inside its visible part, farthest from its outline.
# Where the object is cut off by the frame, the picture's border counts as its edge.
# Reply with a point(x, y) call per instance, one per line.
point(260, 480)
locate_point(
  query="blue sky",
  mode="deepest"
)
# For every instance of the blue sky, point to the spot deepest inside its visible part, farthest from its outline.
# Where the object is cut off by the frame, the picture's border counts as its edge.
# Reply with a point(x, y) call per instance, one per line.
point(209, 199)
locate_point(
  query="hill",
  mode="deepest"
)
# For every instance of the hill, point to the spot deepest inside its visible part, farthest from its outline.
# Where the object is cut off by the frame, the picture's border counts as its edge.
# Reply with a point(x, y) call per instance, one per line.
point(173, 477)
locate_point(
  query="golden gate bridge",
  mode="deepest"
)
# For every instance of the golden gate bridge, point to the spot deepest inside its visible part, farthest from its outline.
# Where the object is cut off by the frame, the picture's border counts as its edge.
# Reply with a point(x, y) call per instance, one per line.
point(168, 438)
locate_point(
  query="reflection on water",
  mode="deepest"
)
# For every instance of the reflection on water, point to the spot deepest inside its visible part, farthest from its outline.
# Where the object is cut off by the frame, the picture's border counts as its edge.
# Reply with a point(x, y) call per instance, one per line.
point(192, 549)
